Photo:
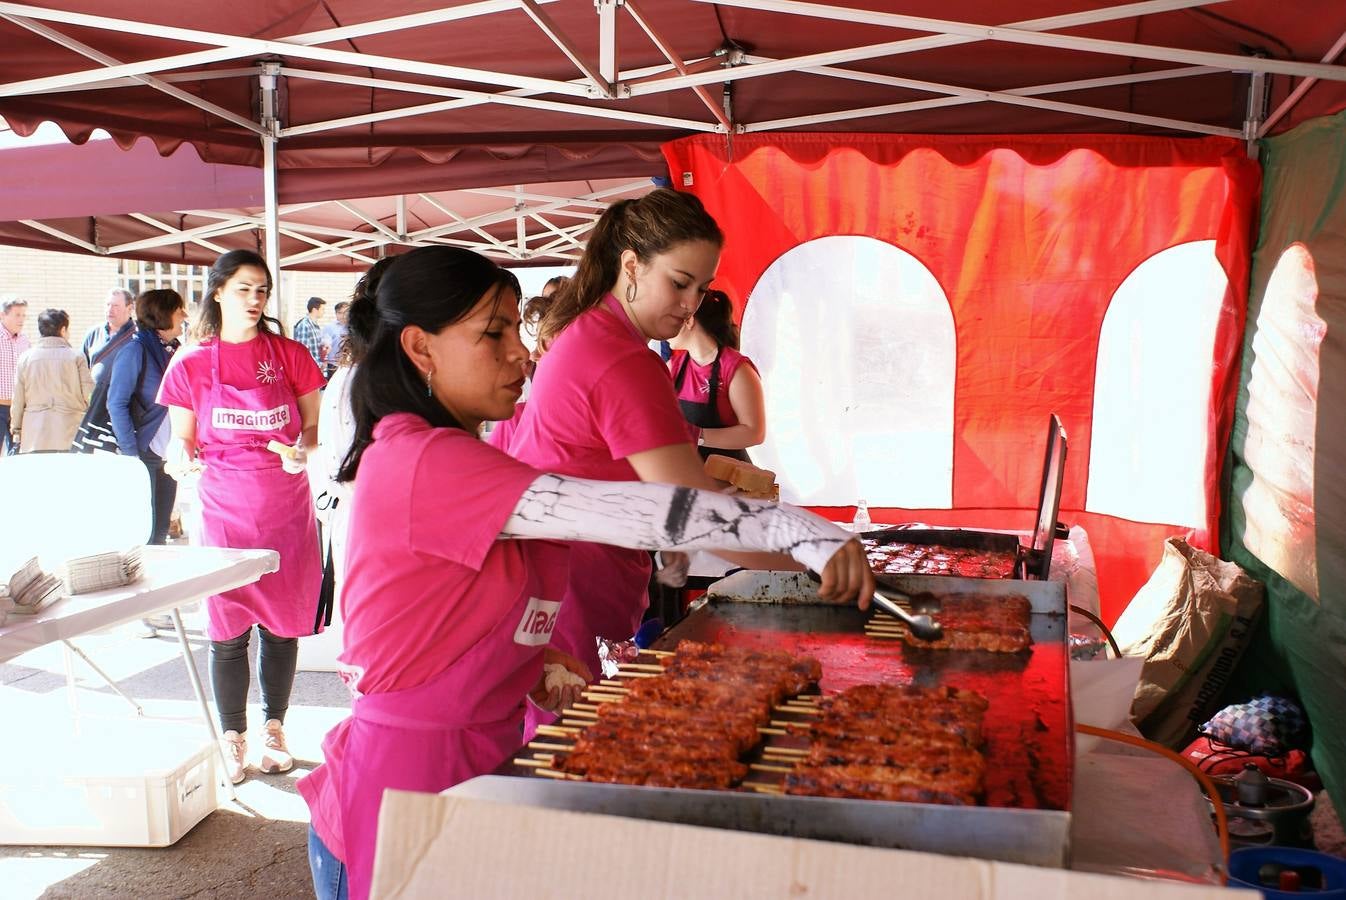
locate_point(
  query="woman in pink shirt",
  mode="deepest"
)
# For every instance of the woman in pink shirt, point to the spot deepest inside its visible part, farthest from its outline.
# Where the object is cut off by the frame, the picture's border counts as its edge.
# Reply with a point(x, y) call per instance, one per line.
point(603, 404)
point(453, 582)
point(242, 387)
point(718, 388)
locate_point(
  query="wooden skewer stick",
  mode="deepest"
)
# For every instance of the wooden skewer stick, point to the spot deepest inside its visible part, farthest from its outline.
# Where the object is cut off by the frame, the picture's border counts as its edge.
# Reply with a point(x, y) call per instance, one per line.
point(532, 763)
point(607, 689)
point(558, 730)
point(624, 673)
point(586, 707)
point(784, 751)
point(759, 788)
point(581, 714)
point(659, 652)
point(543, 745)
point(638, 667)
point(608, 682)
point(779, 731)
point(763, 767)
point(563, 776)
point(603, 698)
point(803, 709)
point(779, 723)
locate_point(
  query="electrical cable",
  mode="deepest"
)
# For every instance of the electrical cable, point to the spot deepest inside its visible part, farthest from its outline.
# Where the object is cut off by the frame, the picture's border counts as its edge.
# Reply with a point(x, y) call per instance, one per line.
point(1112, 642)
point(1207, 785)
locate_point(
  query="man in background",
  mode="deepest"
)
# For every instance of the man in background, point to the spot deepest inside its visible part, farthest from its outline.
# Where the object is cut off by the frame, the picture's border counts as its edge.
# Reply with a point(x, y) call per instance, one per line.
point(334, 337)
point(12, 345)
point(103, 342)
point(307, 330)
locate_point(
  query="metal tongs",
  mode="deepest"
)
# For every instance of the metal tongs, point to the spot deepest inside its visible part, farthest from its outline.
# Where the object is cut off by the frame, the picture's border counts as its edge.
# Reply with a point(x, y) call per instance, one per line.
point(921, 626)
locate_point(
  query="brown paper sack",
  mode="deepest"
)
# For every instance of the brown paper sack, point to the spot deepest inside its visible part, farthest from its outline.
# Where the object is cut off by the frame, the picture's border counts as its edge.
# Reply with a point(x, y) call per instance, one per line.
point(1191, 622)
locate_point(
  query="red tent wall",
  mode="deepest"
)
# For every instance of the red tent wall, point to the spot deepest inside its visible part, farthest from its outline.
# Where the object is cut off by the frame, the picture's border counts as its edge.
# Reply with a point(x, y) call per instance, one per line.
point(1029, 237)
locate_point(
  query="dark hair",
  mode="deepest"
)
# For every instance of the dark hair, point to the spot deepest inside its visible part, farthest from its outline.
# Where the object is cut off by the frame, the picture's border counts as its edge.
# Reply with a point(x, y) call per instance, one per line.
point(154, 309)
point(431, 288)
point(221, 271)
point(716, 315)
point(51, 321)
point(364, 317)
point(315, 303)
point(651, 225)
point(556, 282)
point(342, 304)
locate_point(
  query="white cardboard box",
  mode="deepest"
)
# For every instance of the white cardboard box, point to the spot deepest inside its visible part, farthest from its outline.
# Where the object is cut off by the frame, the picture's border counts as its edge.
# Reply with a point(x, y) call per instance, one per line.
point(444, 846)
point(140, 783)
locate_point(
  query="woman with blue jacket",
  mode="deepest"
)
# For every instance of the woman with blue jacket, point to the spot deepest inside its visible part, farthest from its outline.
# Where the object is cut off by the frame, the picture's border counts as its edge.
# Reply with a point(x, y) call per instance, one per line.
point(140, 424)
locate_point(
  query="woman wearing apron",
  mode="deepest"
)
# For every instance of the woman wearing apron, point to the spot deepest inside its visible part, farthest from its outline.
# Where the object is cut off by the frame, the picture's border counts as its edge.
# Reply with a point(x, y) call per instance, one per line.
point(718, 388)
point(238, 389)
point(453, 582)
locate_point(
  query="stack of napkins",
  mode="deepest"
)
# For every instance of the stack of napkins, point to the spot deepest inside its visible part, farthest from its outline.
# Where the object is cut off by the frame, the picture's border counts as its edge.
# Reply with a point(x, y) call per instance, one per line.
point(30, 589)
point(101, 571)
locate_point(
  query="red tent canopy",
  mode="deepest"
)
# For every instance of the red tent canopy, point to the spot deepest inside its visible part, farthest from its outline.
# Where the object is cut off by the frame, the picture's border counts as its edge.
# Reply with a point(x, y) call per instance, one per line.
point(1030, 241)
point(561, 88)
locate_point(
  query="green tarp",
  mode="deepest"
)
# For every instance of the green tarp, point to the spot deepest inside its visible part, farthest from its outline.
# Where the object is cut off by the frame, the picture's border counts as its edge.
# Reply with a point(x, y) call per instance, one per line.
point(1286, 509)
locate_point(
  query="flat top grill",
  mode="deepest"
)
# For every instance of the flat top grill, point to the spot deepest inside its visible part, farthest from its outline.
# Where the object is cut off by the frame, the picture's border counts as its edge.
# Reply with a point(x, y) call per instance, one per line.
point(1027, 727)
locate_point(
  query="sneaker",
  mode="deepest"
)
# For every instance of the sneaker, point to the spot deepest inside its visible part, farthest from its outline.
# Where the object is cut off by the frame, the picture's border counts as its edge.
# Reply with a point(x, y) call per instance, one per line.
point(275, 757)
point(236, 754)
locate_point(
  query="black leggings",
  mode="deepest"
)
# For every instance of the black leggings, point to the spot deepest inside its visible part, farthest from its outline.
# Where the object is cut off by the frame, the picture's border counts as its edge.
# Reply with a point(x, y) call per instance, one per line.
point(230, 677)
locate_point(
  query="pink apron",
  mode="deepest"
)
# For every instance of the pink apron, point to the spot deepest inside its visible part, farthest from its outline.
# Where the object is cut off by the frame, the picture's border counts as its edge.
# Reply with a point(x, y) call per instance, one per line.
point(249, 501)
point(462, 723)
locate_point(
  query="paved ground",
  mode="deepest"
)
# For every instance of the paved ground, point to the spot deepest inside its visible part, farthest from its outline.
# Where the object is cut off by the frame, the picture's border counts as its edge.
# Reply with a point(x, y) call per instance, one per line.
point(250, 848)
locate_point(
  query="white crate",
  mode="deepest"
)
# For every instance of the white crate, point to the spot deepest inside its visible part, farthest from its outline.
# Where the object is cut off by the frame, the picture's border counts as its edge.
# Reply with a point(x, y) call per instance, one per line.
point(113, 784)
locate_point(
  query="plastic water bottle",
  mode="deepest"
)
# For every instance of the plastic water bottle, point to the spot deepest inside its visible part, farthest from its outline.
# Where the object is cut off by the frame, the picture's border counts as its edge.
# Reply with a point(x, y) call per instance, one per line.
point(861, 522)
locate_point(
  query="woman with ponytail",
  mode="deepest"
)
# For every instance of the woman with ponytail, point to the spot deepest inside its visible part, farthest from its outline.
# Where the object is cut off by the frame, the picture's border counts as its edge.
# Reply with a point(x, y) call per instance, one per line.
point(603, 405)
point(718, 388)
point(454, 576)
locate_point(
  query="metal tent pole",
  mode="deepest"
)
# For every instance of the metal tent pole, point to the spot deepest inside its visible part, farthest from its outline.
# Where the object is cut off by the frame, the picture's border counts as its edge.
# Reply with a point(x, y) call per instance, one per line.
point(270, 112)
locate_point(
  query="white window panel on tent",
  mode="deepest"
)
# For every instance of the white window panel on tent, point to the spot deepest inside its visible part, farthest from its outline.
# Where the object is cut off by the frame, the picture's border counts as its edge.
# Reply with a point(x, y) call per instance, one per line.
point(1147, 453)
point(854, 339)
point(1282, 423)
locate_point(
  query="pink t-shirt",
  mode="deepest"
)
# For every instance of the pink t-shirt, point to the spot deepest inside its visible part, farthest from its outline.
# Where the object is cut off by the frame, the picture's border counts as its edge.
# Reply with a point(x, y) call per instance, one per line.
point(600, 395)
point(187, 382)
point(426, 578)
point(502, 433)
point(696, 380)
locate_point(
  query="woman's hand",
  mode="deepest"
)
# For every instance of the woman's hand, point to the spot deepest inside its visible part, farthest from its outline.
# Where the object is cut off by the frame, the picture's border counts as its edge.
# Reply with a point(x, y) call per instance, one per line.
point(296, 461)
point(847, 576)
point(181, 460)
point(563, 679)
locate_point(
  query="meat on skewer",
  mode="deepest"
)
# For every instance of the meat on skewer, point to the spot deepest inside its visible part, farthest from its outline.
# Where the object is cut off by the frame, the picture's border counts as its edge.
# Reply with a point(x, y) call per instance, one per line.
point(877, 783)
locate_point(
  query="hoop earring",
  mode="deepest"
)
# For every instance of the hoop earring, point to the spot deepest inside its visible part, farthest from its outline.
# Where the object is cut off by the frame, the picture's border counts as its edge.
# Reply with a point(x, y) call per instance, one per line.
point(631, 293)
point(429, 390)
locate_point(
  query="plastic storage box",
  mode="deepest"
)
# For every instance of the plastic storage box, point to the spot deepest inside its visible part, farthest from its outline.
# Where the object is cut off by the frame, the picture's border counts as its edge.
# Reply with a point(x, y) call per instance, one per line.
point(138, 783)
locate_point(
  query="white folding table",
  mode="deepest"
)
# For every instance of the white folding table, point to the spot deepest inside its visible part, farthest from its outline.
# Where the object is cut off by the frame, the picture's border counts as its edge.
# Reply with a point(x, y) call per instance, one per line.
point(173, 577)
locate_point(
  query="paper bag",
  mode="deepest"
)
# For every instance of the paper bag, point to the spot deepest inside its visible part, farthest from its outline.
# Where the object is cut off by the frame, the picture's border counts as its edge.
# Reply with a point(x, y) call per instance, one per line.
point(1191, 623)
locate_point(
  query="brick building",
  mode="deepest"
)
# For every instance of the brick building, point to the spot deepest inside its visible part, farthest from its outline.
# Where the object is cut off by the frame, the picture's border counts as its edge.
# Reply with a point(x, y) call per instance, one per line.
point(78, 283)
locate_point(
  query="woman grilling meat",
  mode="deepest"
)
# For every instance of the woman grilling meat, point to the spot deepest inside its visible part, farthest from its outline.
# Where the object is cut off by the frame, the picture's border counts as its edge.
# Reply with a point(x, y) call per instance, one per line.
point(449, 611)
point(718, 388)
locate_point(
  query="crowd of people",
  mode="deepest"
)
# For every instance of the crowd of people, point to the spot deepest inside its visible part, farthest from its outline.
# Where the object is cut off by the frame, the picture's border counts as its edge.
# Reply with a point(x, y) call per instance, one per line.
point(475, 577)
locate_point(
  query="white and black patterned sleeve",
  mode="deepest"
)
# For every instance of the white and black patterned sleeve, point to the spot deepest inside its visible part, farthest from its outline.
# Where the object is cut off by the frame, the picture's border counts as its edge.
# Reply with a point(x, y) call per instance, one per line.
point(644, 516)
